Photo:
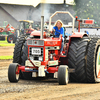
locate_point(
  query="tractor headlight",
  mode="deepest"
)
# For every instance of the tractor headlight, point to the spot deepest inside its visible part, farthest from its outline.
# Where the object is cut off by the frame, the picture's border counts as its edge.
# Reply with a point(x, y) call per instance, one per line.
point(35, 42)
point(31, 58)
point(29, 42)
point(41, 58)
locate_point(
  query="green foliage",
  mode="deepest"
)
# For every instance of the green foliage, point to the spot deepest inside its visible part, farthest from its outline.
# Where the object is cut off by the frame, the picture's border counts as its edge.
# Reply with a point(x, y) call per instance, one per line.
point(88, 9)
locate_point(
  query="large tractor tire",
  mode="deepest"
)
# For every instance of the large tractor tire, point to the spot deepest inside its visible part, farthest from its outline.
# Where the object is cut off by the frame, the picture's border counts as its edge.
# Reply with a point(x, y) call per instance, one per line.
point(18, 49)
point(77, 59)
point(21, 54)
point(26, 75)
point(18, 52)
point(11, 38)
point(93, 61)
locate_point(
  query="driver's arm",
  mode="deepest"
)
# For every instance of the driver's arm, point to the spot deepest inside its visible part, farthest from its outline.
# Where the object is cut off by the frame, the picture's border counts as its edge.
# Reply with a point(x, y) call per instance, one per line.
point(54, 28)
point(62, 32)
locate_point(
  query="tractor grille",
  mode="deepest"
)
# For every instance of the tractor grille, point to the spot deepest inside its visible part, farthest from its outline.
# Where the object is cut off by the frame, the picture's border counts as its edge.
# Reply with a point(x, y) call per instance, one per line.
point(29, 42)
point(36, 56)
point(35, 42)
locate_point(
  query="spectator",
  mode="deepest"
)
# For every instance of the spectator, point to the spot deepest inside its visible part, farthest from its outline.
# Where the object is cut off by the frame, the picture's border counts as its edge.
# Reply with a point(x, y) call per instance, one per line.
point(86, 32)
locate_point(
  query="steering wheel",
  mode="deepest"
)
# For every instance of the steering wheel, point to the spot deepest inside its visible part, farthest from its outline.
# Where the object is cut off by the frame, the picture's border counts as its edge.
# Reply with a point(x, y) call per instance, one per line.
point(53, 33)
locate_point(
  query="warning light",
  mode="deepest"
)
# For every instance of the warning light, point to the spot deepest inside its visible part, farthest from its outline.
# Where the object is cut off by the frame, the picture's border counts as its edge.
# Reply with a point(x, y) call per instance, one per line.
point(76, 16)
point(35, 42)
point(87, 21)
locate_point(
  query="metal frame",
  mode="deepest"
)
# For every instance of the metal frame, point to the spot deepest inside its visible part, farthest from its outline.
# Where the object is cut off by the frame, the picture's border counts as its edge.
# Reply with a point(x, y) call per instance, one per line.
point(62, 12)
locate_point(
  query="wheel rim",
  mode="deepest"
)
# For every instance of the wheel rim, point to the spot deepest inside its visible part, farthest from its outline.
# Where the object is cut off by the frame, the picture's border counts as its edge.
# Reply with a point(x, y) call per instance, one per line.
point(17, 74)
point(66, 75)
point(98, 63)
point(10, 38)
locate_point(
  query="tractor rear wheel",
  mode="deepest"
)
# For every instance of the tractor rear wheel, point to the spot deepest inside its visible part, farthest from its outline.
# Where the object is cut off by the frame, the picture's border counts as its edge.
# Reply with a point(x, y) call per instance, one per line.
point(11, 38)
point(63, 76)
point(26, 75)
point(13, 74)
point(18, 49)
point(18, 52)
point(77, 59)
point(93, 61)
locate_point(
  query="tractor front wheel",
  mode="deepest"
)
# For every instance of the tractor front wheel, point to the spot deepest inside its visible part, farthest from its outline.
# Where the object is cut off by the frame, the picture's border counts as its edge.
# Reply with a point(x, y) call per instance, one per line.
point(13, 74)
point(63, 76)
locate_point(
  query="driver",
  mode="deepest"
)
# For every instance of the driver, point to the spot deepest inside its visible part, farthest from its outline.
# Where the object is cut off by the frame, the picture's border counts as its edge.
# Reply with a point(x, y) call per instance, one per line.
point(59, 30)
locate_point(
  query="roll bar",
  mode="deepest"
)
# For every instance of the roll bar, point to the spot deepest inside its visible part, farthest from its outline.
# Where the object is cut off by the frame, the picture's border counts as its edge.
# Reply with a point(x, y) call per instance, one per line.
point(62, 12)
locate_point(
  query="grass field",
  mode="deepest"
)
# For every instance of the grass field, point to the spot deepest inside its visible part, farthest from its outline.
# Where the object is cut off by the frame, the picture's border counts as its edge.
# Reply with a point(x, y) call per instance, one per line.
point(6, 57)
point(5, 43)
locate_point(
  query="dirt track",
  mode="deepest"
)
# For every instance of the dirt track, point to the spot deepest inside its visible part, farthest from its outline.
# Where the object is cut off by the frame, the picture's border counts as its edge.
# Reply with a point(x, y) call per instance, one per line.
point(6, 51)
point(38, 89)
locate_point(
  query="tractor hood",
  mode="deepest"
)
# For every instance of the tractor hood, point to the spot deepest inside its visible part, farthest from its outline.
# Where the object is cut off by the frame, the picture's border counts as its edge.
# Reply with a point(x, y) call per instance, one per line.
point(37, 33)
point(44, 42)
point(52, 42)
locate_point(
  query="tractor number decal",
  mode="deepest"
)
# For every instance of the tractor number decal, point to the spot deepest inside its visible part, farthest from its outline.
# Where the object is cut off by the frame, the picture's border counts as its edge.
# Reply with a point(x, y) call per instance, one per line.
point(51, 63)
point(51, 42)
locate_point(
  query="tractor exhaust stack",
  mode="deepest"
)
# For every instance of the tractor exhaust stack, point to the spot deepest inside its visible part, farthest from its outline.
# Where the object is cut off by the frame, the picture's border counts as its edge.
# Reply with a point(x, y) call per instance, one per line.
point(42, 26)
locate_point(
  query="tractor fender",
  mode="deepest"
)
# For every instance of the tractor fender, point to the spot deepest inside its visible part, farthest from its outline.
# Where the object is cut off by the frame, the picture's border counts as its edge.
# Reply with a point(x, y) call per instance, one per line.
point(78, 35)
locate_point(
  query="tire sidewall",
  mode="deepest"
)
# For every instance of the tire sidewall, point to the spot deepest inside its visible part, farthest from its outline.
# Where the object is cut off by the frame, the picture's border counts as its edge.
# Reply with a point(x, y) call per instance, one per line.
point(95, 60)
point(10, 36)
point(63, 75)
point(12, 72)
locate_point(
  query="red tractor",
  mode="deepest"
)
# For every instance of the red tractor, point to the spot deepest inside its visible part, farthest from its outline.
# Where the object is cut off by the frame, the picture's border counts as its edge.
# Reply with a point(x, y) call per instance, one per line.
point(39, 56)
point(8, 31)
